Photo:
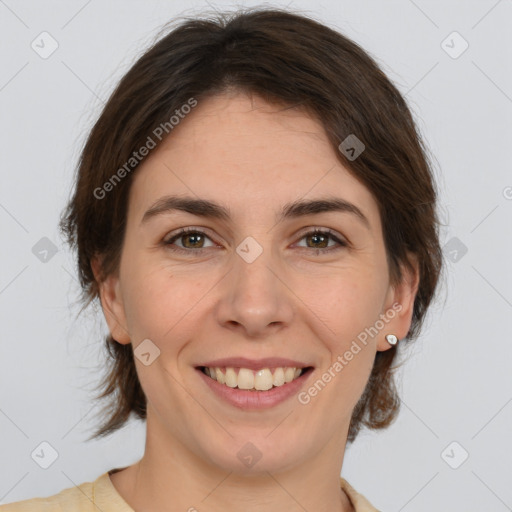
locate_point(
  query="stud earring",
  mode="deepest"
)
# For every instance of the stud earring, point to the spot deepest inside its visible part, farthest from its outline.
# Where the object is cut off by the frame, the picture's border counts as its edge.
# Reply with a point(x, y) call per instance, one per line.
point(391, 339)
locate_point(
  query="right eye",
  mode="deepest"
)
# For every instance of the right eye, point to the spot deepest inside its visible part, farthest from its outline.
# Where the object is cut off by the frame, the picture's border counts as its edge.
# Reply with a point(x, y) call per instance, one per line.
point(191, 240)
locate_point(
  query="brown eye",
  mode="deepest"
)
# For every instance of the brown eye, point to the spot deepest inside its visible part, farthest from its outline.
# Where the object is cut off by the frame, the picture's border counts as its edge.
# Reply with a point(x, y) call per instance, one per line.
point(189, 240)
point(192, 240)
point(319, 239)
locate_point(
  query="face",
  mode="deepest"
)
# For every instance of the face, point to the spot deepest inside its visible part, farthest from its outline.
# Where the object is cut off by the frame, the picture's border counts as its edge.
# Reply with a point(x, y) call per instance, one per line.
point(254, 283)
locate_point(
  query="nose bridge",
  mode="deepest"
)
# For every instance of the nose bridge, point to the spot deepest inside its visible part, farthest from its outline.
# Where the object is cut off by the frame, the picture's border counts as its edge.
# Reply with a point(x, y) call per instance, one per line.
point(252, 272)
point(253, 298)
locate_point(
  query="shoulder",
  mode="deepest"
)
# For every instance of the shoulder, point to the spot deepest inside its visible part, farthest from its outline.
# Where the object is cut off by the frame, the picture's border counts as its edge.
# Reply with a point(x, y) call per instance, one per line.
point(80, 498)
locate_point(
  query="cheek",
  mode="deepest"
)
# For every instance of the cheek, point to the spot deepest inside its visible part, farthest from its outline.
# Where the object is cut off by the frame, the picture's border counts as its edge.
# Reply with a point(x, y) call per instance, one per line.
point(348, 308)
point(351, 305)
point(346, 303)
point(157, 298)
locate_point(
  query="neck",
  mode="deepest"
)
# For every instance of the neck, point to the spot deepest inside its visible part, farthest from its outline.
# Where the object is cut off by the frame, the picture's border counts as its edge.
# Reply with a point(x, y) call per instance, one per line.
point(169, 473)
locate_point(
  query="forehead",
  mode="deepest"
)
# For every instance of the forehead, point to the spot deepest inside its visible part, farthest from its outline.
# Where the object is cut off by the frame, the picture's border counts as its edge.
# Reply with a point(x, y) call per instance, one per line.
point(239, 150)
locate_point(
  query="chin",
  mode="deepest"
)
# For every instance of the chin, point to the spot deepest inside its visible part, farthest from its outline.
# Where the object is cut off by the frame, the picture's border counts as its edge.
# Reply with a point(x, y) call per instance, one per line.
point(257, 455)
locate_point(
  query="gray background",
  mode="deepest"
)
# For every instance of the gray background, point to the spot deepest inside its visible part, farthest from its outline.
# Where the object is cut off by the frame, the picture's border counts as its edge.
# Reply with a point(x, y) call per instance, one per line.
point(456, 385)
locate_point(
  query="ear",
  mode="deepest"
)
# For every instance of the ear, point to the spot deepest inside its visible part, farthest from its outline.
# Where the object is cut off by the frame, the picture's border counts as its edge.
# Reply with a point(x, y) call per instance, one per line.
point(399, 304)
point(111, 303)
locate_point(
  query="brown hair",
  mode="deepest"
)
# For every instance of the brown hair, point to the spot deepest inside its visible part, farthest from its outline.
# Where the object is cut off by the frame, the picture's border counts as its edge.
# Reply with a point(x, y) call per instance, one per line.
point(285, 58)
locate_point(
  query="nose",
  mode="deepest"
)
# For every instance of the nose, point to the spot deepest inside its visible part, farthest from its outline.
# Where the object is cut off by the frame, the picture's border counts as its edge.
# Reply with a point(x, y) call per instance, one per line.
point(255, 300)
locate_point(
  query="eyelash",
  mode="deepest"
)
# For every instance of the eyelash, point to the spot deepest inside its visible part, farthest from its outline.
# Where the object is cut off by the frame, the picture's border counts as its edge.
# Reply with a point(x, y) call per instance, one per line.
point(184, 231)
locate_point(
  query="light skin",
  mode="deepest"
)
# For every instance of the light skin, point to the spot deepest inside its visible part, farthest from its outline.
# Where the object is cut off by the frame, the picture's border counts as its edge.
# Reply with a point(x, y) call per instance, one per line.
point(305, 298)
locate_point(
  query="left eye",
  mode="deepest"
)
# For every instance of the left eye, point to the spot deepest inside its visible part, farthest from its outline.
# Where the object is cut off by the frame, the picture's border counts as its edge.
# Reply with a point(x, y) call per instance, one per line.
point(194, 239)
point(321, 238)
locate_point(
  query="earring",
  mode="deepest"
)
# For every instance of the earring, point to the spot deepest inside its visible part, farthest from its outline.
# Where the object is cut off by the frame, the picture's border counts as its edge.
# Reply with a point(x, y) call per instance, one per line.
point(391, 339)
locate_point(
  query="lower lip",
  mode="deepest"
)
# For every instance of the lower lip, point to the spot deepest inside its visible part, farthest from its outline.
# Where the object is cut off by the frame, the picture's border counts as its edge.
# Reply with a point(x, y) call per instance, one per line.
point(255, 400)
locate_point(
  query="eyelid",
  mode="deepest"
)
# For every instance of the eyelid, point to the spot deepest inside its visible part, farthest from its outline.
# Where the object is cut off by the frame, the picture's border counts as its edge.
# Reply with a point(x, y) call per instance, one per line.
point(175, 235)
point(340, 240)
point(309, 230)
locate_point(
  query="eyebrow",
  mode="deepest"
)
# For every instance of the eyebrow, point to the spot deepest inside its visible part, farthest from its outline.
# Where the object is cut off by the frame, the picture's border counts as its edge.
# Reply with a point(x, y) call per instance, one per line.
point(209, 209)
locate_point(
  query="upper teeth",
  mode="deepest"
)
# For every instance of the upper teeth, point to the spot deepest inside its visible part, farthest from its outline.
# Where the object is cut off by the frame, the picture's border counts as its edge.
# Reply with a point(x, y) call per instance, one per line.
point(248, 379)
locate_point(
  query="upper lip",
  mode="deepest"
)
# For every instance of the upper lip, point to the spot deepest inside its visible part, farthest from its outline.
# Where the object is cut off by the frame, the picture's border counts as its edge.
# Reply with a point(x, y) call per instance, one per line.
point(254, 364)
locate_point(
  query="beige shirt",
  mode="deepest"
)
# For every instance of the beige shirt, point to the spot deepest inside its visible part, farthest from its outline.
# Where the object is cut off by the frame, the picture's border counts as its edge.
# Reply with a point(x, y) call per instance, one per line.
point(102, 495)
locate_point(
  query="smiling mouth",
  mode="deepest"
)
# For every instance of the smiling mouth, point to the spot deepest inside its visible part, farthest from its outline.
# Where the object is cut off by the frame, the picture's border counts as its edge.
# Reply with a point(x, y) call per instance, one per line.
point(254, 380)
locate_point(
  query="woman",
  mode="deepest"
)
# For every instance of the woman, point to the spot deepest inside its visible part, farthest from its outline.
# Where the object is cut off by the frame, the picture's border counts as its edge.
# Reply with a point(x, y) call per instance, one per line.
point(256, 212)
